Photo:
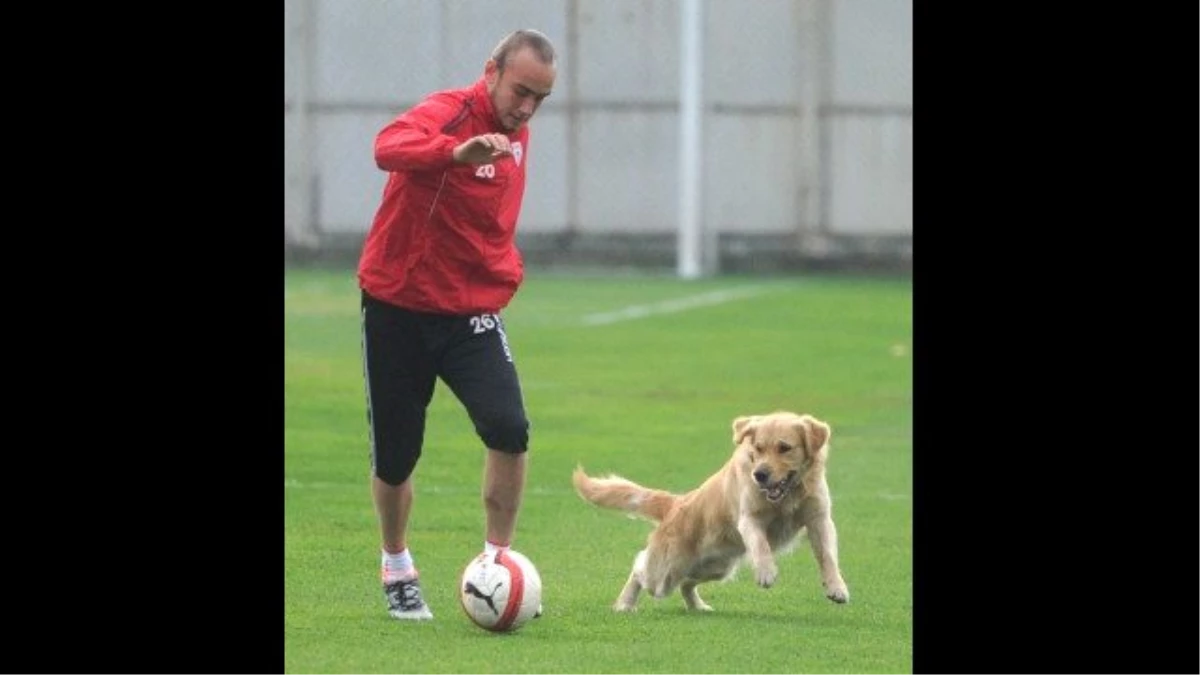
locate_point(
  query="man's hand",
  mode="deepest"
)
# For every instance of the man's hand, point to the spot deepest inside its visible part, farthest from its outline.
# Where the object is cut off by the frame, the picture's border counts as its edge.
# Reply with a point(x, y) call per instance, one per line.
point(482, 149)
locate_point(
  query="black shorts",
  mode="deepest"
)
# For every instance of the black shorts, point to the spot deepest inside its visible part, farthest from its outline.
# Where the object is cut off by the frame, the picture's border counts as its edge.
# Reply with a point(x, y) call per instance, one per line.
point(405, 352)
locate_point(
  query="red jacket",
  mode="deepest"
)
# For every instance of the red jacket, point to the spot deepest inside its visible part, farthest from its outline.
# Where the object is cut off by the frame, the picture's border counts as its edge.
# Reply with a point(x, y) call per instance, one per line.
point(442, 239)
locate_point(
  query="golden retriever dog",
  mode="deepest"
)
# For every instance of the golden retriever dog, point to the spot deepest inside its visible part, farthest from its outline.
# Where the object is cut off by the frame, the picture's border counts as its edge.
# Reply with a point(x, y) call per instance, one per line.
point(772, 487)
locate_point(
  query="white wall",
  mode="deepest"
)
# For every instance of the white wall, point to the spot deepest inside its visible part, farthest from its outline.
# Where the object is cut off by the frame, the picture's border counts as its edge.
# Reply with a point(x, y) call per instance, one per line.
point(604, 148)
point(870, 162)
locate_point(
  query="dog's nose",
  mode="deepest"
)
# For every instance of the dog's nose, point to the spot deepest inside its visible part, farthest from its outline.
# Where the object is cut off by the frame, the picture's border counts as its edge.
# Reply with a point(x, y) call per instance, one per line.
point(761, 476)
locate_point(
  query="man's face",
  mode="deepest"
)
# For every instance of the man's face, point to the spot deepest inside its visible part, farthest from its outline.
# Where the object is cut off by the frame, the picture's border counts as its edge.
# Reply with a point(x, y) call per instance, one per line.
point(519, 89)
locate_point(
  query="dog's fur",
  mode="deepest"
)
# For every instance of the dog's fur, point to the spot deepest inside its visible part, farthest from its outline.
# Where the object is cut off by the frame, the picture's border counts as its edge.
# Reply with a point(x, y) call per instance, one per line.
point(772, 487)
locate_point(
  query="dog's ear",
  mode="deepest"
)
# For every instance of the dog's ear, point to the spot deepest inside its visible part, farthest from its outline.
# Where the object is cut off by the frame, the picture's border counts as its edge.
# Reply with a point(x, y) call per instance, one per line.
point(815, 434)
point(742, 427)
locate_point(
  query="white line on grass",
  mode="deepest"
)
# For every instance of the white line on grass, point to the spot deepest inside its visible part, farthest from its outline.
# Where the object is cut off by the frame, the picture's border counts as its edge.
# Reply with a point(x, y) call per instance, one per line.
point(294, 484)
point(548, 491)
point(671, 306)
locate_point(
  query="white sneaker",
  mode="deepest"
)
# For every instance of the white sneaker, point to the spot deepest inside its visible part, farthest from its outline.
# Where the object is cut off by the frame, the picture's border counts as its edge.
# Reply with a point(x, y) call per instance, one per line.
point(404, 600)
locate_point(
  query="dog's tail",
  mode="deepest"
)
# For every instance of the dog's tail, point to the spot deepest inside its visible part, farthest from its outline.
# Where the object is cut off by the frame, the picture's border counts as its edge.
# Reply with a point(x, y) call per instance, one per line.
point(614, 492)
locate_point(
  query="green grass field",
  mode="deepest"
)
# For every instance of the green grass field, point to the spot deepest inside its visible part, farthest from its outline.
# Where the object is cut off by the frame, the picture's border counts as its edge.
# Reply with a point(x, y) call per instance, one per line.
point(647, 394)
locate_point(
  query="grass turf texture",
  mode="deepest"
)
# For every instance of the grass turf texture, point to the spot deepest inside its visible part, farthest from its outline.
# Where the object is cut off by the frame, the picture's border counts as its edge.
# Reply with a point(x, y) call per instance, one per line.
point(651, 398)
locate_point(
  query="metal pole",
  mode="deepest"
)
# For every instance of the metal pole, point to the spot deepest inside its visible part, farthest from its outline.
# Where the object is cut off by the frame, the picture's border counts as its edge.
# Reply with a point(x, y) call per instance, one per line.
point(811, 97)
point(573, 122)
point(689, 246)
point(825, 67)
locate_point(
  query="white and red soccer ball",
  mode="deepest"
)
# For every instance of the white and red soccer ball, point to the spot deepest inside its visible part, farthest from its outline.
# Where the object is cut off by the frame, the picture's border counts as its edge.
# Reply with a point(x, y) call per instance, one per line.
point(500, 592)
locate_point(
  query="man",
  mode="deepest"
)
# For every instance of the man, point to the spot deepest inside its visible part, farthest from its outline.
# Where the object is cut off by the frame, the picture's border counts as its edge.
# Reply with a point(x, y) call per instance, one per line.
point(437, 267)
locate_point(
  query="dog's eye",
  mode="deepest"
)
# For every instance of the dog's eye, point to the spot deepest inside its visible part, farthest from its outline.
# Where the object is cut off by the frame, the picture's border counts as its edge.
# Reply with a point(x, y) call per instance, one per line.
point(785, 446)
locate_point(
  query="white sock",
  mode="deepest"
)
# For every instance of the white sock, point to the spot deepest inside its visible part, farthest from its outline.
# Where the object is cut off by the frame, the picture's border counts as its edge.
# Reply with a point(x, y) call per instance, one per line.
point(397, 566)
point(492, 549)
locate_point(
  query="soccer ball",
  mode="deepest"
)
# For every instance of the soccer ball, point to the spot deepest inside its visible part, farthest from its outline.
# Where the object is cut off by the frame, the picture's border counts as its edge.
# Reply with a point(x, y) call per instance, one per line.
point(500, 591)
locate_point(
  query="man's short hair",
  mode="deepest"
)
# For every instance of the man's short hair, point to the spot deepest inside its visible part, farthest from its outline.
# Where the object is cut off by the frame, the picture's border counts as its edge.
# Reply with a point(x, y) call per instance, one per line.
point(526, 37)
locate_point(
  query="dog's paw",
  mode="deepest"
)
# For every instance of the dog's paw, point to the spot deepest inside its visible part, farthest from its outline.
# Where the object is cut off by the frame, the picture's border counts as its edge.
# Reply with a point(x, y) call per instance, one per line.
point(838, 594)
point(766, 574)
point(624, 607)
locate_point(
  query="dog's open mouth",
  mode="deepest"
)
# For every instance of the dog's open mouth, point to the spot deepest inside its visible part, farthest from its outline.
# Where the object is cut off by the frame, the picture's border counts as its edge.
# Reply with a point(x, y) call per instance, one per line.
point(776, 491)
